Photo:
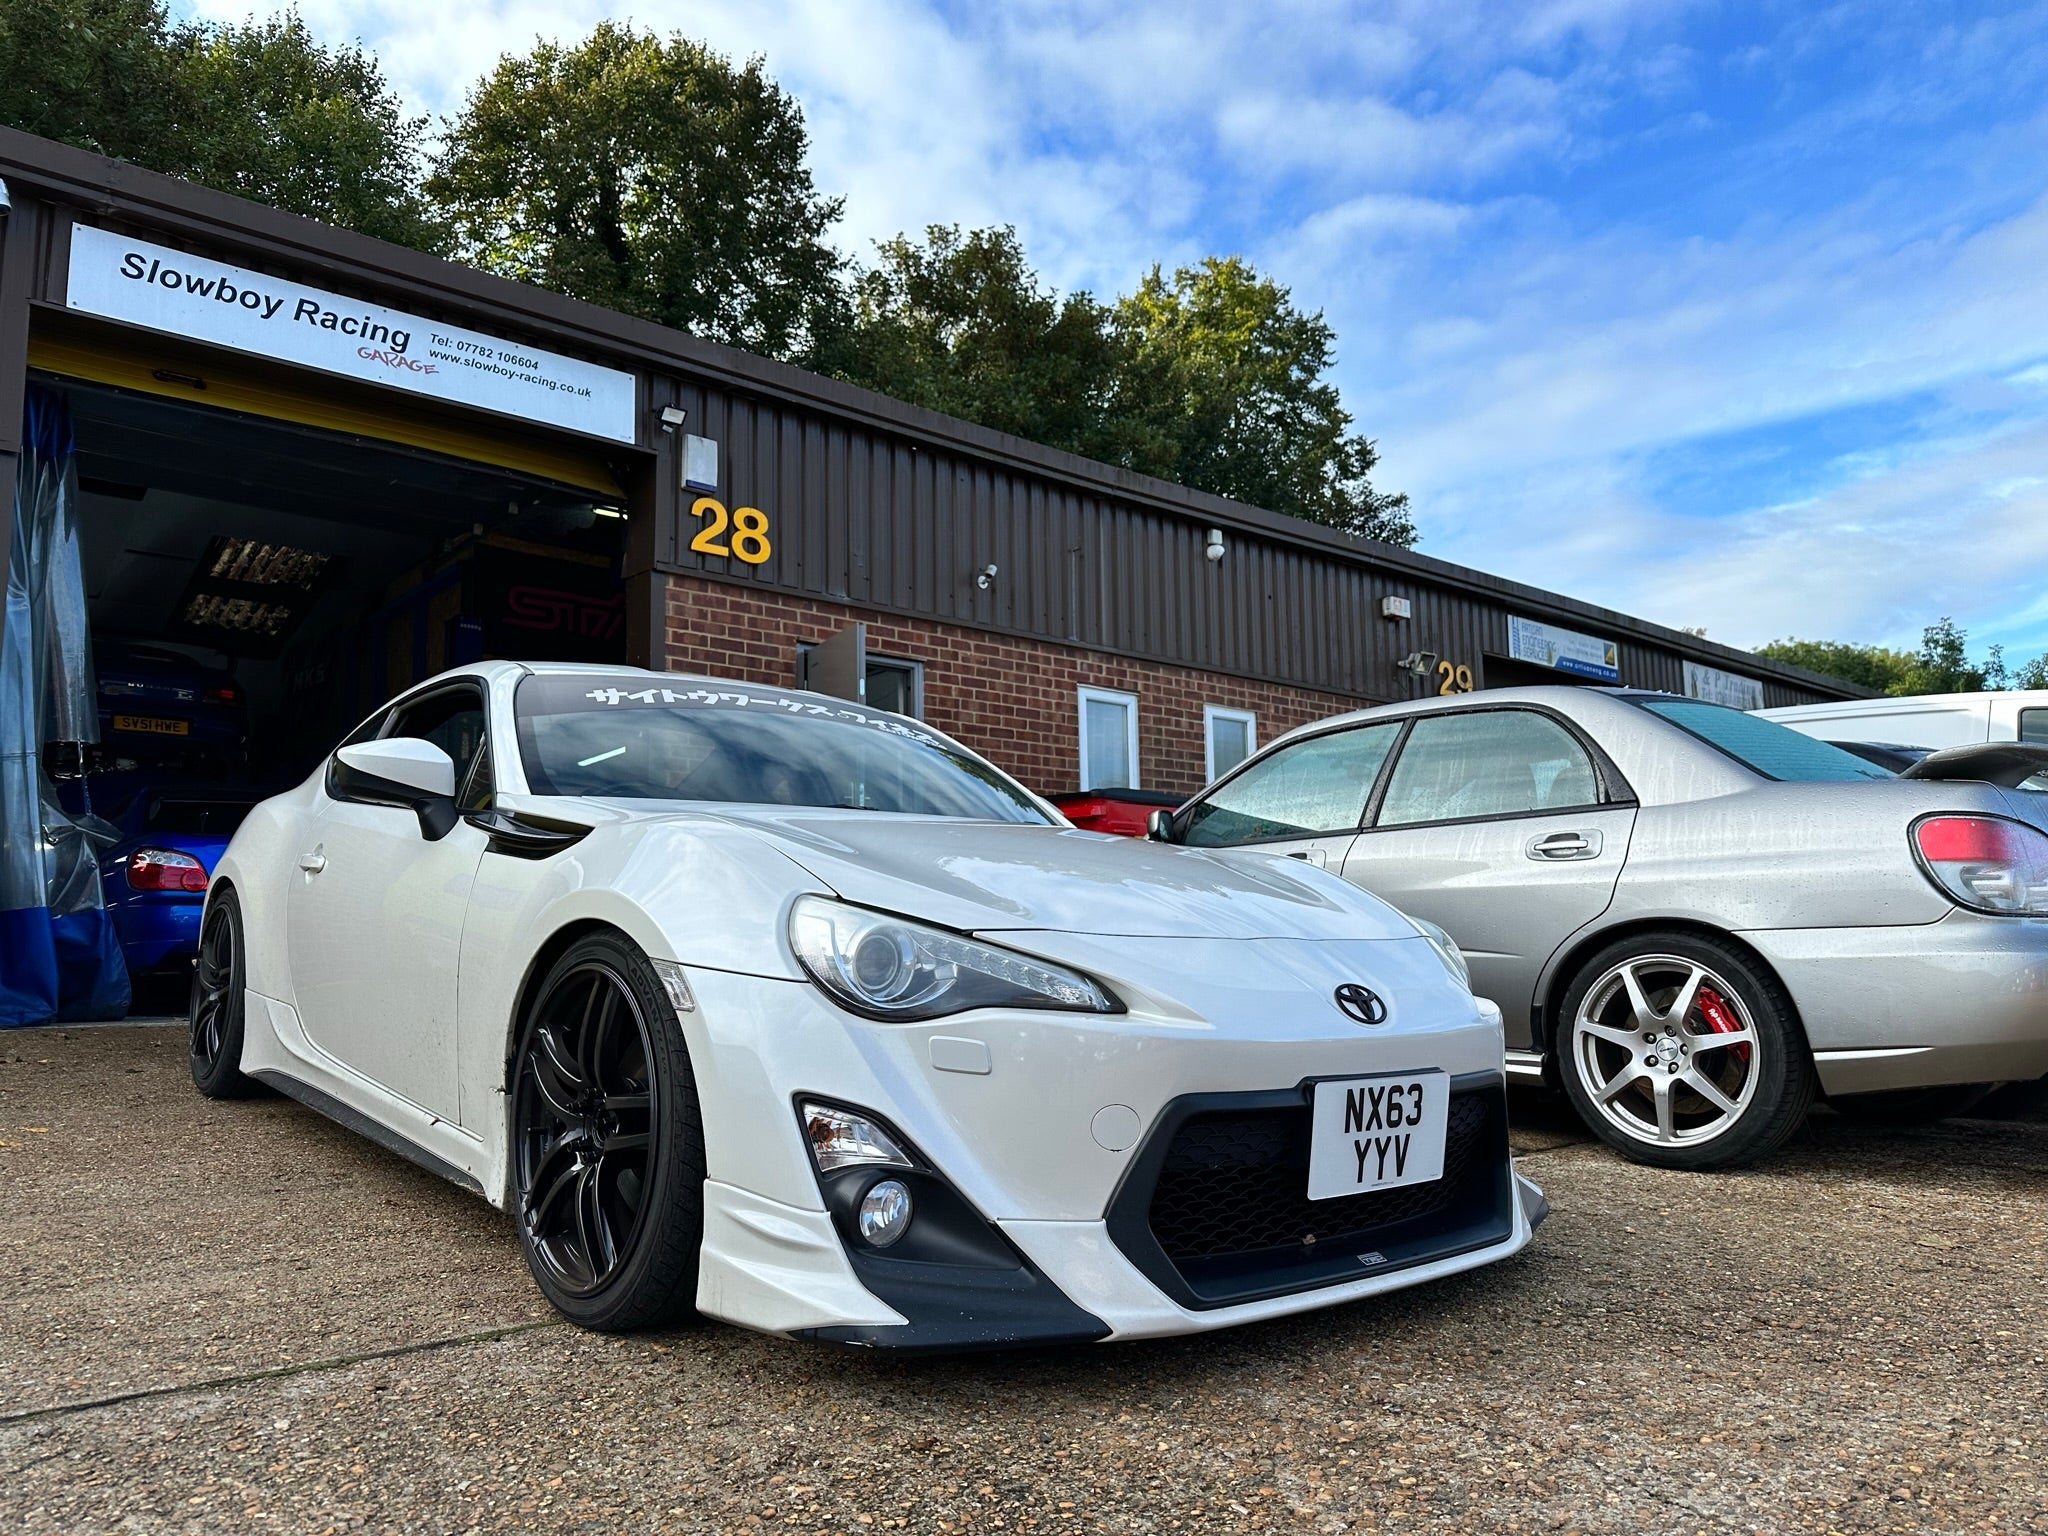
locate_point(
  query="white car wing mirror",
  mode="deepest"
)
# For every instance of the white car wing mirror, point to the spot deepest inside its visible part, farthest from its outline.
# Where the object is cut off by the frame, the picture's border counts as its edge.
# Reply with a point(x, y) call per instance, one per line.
point(404, 762)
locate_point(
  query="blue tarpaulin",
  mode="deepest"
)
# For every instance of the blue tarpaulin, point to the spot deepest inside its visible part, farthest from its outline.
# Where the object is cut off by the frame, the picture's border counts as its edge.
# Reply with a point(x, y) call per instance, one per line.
point(59, 956)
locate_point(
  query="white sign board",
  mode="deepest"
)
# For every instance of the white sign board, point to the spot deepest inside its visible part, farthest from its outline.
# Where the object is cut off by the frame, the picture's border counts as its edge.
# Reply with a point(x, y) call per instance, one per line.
point(207, 300)
point(1568, 651)
point(1718, 687)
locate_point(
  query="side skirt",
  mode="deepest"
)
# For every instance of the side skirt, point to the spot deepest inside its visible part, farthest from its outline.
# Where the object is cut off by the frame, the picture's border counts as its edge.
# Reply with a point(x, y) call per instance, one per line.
point(354, 1120)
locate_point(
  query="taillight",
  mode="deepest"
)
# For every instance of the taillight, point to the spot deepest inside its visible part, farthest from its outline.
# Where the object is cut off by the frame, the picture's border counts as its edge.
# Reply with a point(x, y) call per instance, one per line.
point(165, 869)
point(222, 695)
point(1986, 862)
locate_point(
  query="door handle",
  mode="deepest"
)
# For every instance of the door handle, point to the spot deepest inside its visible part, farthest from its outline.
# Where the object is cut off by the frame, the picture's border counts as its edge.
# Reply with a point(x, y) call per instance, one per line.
point(312, 863)
point(1314, 856)
point(1556, 847)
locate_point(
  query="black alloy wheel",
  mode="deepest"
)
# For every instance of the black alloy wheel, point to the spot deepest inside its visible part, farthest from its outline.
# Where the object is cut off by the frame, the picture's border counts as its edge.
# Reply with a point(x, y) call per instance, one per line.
point(607, 1144)
point(216, 1006)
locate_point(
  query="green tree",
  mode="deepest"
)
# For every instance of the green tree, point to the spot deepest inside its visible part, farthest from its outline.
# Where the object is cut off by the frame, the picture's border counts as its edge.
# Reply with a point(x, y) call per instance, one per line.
point(1225, 389)
point(650, 176)
point(99, 74)
point(1941, 665)
point(278, 118)
point(960, 323)
point(261, 110)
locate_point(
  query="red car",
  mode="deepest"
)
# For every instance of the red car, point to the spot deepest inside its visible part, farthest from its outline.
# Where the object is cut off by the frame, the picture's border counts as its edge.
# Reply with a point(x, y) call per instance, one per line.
point(1114, 810)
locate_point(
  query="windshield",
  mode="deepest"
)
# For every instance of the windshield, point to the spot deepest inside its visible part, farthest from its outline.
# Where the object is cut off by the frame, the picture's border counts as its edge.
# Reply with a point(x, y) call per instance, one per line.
point(621, 738)
point(1773, 750)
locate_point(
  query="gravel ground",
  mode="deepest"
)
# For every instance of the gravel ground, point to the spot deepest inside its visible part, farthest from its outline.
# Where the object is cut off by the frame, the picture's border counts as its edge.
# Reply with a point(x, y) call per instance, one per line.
point(235, 1317)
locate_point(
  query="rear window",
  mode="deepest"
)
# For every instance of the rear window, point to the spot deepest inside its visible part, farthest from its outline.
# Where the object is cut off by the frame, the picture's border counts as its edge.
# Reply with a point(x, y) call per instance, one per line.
point(1773, 750)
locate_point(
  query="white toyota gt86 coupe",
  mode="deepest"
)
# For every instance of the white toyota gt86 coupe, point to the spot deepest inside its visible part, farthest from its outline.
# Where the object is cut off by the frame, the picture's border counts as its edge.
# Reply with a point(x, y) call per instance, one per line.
point(803, 1016)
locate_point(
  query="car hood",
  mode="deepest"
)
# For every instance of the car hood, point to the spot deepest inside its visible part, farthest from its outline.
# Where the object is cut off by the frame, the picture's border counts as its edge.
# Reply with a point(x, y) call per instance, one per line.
point(990, 877)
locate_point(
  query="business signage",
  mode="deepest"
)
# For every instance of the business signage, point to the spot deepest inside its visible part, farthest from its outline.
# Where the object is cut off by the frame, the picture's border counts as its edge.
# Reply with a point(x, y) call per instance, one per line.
point(1568, 651)
point(186, 295)
point(1718, 687)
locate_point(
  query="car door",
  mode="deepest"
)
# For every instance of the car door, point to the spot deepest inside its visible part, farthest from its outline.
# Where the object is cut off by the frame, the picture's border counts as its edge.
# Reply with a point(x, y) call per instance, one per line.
point(374, 921)
point(1501, 826)
point(1304, 798)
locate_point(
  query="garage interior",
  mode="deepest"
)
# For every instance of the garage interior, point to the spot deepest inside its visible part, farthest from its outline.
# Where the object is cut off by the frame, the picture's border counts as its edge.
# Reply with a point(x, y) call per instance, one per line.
point(318, 569)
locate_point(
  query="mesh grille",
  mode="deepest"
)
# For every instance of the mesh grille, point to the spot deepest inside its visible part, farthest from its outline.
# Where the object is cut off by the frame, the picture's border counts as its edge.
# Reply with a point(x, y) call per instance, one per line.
point(1237, 1182)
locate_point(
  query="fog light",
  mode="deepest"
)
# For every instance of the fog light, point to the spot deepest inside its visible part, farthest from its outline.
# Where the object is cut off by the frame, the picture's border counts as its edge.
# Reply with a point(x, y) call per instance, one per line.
point(885, 1213)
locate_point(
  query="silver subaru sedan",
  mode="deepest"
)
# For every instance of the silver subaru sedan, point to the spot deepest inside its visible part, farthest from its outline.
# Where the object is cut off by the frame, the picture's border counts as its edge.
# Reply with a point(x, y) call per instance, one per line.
point(1693, 919)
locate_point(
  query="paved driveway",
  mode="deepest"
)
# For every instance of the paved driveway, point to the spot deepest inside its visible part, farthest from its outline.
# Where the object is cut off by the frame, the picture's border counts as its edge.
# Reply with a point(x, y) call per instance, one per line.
point(238, 1317)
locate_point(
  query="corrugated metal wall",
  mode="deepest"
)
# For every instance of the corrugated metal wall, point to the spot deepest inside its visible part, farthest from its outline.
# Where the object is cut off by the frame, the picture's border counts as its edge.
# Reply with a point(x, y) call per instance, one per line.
point(873, 519)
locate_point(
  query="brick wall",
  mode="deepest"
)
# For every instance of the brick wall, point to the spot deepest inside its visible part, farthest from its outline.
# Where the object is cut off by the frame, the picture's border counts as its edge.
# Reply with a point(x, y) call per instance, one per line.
point(1013, 700)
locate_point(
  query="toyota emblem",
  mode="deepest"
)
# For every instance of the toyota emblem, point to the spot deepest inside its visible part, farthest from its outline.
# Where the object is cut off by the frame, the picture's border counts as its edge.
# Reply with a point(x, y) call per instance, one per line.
point(1361, 1005)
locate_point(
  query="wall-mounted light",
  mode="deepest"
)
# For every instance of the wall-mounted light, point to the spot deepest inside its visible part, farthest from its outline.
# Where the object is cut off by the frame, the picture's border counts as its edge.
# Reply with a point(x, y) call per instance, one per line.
point(985, 577)
point(1213, 550)
point(672, 417)
point(617, 512)
point(1418, 662)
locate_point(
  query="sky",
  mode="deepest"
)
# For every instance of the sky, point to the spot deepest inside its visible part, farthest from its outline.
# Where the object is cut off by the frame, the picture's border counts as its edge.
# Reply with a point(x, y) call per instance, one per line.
point(1731, 316)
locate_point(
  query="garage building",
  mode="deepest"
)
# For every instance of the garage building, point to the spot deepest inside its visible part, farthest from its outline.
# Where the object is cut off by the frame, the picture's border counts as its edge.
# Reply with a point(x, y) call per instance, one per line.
point(309, 469)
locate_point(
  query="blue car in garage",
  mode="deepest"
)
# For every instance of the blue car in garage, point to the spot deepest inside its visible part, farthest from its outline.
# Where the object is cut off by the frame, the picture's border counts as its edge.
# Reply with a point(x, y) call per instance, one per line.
point(155, 877)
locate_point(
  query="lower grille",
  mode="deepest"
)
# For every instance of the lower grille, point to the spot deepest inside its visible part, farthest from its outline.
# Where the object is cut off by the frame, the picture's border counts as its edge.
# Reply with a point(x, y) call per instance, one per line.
point(1236, 1183)
point(1216, 1208)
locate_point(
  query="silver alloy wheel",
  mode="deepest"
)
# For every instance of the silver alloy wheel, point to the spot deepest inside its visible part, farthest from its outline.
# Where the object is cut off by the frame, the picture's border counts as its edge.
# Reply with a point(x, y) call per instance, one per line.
point(1653, 1058)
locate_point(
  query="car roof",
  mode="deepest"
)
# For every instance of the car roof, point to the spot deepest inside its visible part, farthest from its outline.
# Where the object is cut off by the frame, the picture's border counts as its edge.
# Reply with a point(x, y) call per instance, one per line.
point(1568, 697)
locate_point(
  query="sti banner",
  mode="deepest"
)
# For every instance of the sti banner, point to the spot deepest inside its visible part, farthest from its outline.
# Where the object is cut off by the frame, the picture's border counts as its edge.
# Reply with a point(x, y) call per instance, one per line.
point(186, 295)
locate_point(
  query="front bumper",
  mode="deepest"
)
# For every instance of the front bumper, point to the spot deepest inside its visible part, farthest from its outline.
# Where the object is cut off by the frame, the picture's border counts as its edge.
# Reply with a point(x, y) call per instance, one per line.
point(1962, 1000)
point(1038, 1120)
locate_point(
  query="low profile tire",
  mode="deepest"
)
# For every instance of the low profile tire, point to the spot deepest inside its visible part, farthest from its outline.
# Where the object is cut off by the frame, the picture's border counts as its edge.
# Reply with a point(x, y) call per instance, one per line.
point(607, 1143)
point(1683, 1052)
point(1902, 1109)
point(216, 1006)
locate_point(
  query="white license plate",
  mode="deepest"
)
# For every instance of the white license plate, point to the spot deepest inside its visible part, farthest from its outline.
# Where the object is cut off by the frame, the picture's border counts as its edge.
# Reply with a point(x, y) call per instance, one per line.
point(1377, 1133)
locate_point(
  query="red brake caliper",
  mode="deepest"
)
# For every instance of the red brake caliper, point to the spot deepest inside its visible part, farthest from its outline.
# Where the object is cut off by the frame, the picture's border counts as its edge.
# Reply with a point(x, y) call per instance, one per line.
point(1721, 1019)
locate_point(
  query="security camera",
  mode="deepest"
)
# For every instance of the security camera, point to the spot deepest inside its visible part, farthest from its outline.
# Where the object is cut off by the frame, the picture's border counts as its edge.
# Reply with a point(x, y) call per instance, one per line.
point(985, 577)
point(1213, 551)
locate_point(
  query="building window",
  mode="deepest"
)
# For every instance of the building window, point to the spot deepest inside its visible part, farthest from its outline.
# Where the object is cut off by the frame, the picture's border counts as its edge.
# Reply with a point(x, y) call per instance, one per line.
point(1109, 739)
point(894, 683)
point(1230, 736)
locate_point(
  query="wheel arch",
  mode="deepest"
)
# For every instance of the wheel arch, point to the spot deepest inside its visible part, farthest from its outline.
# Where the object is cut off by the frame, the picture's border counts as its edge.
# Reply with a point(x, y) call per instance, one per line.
point(1566, 964)
point(551, 949)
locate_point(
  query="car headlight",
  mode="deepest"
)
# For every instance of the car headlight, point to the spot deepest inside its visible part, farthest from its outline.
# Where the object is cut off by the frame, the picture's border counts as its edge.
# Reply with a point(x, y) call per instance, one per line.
point(891, 968)
point(1452, 957)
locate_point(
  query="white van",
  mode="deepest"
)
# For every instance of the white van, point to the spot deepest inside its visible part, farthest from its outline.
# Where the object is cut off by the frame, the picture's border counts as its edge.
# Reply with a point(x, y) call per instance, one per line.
point(1931, 720)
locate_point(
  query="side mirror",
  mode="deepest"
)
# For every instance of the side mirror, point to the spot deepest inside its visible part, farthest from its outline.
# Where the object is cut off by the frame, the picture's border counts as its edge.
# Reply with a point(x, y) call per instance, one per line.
point(401, 771)
point(404, 762)
point(1159, 827)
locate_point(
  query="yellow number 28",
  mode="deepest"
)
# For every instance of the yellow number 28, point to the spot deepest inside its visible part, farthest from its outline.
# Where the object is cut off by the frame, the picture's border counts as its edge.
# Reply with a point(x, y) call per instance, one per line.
point(749, 531)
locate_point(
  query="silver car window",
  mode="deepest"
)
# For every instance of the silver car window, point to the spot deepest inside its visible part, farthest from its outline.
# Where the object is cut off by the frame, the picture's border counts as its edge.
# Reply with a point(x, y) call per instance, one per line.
point(1492, 762)
point(1304, 788)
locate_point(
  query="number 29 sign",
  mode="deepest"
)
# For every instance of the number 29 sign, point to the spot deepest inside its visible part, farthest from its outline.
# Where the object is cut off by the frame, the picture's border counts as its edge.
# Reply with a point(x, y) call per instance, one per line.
point(747, 540)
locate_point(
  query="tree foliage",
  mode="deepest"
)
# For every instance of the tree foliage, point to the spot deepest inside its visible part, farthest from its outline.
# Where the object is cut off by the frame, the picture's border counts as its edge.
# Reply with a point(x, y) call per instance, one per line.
point(277, 118)
point(1210, 377)
point(1226, 389)
point(648, 175)
point(1941, 665)
point(262, 110)
point(96, 73)
point(960, 323)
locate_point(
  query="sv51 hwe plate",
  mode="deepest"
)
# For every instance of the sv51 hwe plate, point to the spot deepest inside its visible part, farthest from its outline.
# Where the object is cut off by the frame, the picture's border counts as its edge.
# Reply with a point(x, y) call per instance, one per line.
point(1371, 1133)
